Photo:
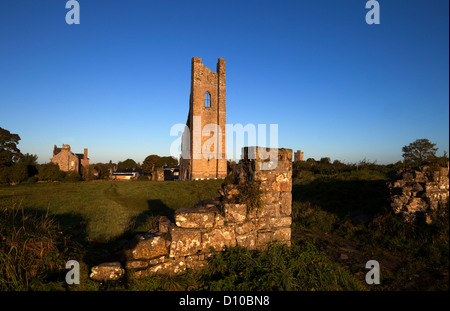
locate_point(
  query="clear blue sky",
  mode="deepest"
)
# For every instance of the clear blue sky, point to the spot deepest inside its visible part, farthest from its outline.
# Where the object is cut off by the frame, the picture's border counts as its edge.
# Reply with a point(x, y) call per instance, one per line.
point(117, 82)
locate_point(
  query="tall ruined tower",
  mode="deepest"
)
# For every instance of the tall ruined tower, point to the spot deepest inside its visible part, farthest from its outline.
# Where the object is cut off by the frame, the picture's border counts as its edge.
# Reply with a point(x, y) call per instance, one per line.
point(203, 145)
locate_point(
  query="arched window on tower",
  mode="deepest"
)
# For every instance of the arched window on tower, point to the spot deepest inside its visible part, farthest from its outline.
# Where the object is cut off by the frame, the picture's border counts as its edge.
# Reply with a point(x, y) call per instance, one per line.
point(207, 99)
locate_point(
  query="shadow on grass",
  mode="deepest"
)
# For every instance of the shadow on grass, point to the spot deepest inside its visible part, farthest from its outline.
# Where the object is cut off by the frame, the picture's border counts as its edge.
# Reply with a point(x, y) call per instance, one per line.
point(111, 250)
point(344, 198)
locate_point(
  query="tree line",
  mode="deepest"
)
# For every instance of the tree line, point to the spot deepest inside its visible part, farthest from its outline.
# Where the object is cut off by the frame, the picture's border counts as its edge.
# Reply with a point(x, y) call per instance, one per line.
point(419, 153)
point(16, 167)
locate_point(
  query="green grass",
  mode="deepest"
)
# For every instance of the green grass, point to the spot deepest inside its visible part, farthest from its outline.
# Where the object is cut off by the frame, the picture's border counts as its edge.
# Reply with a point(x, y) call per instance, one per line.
point(45, 224)
point(104, 210)
point(300, 267)
point(413, 256)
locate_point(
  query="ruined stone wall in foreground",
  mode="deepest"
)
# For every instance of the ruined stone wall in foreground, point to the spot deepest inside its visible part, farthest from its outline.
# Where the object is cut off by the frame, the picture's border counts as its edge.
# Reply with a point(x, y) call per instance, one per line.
point(419, 192)
point(194, 234)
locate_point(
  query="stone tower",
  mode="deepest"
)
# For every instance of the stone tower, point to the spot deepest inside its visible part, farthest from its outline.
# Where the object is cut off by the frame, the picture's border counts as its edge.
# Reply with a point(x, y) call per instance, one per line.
point(203, 144)
point(298, 156)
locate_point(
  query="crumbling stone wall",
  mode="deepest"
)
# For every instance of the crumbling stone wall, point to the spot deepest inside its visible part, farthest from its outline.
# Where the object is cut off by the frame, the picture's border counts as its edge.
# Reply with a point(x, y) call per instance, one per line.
point(419, 192)
point(194, 234)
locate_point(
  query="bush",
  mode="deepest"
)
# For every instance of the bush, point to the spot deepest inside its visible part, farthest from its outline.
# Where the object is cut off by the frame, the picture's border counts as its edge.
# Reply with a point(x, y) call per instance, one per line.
point(18, 173)
point(229, 180)
point(51, 172)
point(299, 267)
point(72, 177)
point(250, 194)
point(14, 174)
point(313, 217)
point(4, 174)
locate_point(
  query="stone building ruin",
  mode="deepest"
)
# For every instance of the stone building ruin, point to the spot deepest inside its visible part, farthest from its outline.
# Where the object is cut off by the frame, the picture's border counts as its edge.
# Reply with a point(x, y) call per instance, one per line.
point(203, 153)
point(417, 193)
point(298, 156)
point(194, 234)
point(69, 161)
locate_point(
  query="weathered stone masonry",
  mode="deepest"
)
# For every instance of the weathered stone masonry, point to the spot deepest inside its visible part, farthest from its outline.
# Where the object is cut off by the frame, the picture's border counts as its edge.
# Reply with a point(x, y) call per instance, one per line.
point(418, 192)
point(207, 106)
point(195, 233)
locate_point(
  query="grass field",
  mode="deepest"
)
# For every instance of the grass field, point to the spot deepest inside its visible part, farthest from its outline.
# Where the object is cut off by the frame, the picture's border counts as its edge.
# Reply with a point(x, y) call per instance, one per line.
point(339, 223)
point(104, 210)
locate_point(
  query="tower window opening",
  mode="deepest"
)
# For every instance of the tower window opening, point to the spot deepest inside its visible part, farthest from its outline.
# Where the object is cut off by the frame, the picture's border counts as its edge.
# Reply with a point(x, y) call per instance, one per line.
point(207, 100)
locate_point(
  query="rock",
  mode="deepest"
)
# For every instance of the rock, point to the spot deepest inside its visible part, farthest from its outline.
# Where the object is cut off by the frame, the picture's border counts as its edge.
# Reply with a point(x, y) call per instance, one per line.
point(107, 271)
point(207, 203)
point(136, 264)
point(147, 246)
point(282, 234)
point(282, 183)
point(268, 210)
point(184, 242)
point(235, 212)
point(272, 222)
point(264, 237)
point(247, 240)
point(219, 239)
point(171, 267)
point(286, 203)
point(417, 187)
point(418, 193)
point(194, 218)
point(162, 224)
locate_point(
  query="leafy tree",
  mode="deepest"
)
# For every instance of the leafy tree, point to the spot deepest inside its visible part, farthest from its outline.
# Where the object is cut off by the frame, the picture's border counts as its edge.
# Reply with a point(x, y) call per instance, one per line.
point(50, 171)
point(443, 161)
point(18, 173)
point(325, 160)
point(153, 161)
point(4, 174)
point(127, 164)
point(419, 152)
point(150, 163)
point(168, 161)
point(30, 161)
point(103, 169)
point(9, 153)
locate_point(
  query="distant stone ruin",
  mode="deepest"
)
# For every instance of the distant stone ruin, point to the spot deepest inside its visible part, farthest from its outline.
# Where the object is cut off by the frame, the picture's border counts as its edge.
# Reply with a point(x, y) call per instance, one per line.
point(69, 161)
point(195, 234)
point(419, 192)
point(298, 156)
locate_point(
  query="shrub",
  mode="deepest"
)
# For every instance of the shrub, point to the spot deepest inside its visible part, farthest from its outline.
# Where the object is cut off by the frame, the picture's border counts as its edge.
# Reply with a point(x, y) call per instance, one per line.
point(50, 171)
point(250, 194)
point(18, 173)
point(313, 217)
point(72, 177)
point(229, 180)
point(299, 267)
point(4, 174)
